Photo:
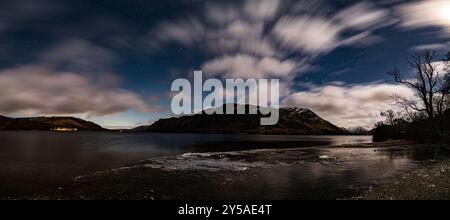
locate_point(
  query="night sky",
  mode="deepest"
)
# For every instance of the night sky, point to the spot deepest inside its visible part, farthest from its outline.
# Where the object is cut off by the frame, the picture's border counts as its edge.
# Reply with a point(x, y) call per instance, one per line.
point(113, 62)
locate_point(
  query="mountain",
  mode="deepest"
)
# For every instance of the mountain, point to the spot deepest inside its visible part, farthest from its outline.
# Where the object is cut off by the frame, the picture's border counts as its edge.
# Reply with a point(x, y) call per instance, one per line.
point(48, 124)
point(358, 131)
point(293, 121)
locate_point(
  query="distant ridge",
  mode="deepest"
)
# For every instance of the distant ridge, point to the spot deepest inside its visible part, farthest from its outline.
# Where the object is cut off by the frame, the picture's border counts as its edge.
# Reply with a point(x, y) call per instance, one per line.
point(48, 124)
point(359, 130)
point(293, 121)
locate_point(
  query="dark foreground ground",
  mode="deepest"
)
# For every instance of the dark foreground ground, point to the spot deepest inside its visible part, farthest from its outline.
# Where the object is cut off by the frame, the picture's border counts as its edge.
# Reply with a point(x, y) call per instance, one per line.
point(304, 173)
point(389, 170)
point(430, 182)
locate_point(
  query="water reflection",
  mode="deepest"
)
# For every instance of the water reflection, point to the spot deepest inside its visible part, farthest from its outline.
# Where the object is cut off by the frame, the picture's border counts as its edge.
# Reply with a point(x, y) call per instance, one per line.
point(337, 176)
point(47, 159)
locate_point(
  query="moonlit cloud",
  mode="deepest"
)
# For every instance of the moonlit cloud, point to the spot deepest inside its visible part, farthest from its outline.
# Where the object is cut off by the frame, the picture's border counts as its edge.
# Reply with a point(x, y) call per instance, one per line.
point(78, 54)
point(248, 67)
point(240, 36)
point(241, 43)
point(186, 32)
point(257, 39)
point(261, 10)
point(363, 16)
point(70, 77)
point(307, 34)
point(349, 105)
point(234, 36)
point(422, 14)
point(60, 58)
point(433, 46)
point(35, 90)
point(319, 34)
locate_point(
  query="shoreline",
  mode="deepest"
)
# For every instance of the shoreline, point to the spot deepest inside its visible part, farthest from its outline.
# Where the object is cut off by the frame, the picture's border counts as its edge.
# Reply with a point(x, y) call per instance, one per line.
point(432, 182)
point(253, 174)
point(384, 170)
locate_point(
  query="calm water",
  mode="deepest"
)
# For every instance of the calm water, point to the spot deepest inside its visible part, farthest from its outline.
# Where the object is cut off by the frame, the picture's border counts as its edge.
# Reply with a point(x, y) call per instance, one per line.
point(39, 163)
point(31, 161)
point(51, 157)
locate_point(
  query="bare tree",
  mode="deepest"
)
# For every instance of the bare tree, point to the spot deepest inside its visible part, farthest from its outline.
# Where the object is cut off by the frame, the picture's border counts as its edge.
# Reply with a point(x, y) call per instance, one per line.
point(390, 116)
point(409, 113)
point(444, 102)
point(428, 83)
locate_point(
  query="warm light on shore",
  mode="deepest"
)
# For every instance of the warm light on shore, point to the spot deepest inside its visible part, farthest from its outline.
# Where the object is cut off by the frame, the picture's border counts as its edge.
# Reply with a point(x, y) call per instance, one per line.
point(64, 129)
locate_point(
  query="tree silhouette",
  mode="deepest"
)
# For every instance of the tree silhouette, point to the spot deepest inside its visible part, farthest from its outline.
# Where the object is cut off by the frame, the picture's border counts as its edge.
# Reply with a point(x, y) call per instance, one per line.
point(430, 82)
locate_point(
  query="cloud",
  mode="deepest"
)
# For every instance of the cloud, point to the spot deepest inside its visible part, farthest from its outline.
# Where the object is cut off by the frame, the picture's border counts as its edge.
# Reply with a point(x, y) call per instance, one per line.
point(363, 16)
point(349, 105)
point(261, 10)
point(434, 46)
point(318, 7)
point(240, 36)
point(34, 90)
point(233, 36)
point(316, 35)
point(247, 66)
point(78, 55)
point(70, 77)
point(221, 13)
point(422, 14)
point(187, 32)
point(16, 14)
point(245, 28)
point(258, 38)
point(310, 35)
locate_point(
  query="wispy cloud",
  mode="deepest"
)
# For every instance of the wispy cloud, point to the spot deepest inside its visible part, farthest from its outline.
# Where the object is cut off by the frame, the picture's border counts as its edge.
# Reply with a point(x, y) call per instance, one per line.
point(246, 66)
point(249, 39)
point(35, 90)
point(432, 46)
point(315, 35)
point(79, 55)
point(349, 105)
point(425, 14)
point(186, 32)
point(72, 76)
point(258, 38)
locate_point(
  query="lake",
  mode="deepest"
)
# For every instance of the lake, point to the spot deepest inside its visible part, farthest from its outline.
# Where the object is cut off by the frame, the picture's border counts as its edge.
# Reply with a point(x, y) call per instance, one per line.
point(37, 159)
point(40, 161)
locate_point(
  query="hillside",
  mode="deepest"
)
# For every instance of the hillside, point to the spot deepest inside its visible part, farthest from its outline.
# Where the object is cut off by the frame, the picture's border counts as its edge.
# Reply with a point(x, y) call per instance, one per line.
point(293, 121)
point(48, 124)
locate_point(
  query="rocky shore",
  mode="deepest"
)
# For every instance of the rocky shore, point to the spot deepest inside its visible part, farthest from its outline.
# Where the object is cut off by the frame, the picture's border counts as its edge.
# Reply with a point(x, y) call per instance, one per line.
point(388, 170)
point(432, 182)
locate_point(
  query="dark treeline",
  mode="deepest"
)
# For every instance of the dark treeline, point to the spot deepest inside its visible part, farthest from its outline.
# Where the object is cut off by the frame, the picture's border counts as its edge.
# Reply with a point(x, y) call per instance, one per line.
point(426, 116)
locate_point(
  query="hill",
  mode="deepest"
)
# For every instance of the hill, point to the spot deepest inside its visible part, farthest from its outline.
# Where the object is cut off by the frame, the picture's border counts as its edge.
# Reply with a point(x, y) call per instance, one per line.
point(48, 124)
point(293, 121)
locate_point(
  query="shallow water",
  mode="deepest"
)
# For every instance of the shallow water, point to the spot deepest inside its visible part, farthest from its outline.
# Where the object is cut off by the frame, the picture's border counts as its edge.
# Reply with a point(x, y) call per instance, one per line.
point(39, 161)
point(62, 155)
point(301, 173)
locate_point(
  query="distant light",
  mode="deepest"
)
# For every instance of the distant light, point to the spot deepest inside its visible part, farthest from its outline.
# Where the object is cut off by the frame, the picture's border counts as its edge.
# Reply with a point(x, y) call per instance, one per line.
point(64, 129)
